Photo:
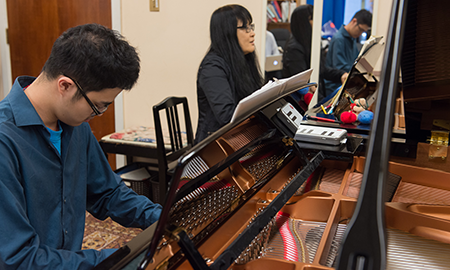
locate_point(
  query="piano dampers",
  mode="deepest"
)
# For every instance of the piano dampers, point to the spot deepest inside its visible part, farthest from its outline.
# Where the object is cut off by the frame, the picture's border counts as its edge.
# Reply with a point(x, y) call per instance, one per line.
point(244, 134)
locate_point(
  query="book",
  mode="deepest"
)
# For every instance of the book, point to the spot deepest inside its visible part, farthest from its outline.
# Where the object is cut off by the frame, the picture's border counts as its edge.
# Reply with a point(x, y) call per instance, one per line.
point(271, 12)
point(277, 10)
point(268, 93)
point(285, 7)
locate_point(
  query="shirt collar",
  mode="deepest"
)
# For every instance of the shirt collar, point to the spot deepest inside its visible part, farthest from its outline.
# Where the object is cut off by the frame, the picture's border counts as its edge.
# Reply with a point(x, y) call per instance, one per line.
point(345, 32)
point(21, 107)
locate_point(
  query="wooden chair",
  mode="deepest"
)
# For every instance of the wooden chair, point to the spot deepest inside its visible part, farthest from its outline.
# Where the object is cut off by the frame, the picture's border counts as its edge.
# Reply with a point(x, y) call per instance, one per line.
point(169, 153)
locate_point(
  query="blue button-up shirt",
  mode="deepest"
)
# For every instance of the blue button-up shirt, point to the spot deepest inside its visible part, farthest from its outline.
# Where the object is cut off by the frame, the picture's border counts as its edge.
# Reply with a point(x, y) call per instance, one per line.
point(44, 194)
point(342, 53)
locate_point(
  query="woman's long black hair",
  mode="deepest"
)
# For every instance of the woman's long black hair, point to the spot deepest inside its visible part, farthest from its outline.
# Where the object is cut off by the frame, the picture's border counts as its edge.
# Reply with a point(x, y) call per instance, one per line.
point(245, 69)
point(301, 27)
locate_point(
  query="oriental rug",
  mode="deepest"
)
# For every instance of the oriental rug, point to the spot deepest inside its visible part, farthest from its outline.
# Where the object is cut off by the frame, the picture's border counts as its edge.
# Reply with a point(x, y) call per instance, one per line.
point(105, 234)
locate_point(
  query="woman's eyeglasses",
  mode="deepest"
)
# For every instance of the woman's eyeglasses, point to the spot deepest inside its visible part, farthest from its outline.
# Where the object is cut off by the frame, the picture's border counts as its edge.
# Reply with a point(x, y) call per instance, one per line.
point(248, 28)
point(96, 110)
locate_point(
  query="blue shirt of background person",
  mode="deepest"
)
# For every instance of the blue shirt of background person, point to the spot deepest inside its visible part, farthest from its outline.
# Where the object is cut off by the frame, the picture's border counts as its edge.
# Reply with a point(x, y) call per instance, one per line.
point(343, 50)
point(46, 191)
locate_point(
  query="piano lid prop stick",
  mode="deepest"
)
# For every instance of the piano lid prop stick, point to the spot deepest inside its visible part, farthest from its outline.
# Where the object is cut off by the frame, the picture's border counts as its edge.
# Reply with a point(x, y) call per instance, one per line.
point(364, 245)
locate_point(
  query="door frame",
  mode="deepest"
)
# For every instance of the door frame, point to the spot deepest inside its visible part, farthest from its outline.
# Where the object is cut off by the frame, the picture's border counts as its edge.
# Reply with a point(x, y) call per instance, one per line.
point(118, 102)
point(4, 52)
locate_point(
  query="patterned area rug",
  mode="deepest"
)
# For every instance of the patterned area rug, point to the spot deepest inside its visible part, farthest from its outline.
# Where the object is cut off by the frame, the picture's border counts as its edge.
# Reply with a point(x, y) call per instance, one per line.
point(106, 234)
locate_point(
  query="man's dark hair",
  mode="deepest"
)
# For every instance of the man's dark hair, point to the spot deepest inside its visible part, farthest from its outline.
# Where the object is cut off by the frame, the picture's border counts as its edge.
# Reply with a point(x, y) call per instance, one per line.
point(363, 17)
point(95, 56)
point(224, 42)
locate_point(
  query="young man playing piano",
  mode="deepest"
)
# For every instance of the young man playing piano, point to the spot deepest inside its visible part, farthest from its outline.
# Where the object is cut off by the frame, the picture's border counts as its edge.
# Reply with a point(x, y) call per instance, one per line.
point(53, 168)
point(343, 49)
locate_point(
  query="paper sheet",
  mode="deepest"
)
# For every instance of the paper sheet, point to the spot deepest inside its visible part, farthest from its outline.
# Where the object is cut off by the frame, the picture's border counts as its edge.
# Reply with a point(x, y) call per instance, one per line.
point(269, 92)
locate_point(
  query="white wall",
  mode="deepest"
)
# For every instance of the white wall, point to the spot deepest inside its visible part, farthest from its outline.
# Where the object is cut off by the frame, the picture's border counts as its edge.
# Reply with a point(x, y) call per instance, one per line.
point(380, 24)
point(172, 43)
point(351, 7)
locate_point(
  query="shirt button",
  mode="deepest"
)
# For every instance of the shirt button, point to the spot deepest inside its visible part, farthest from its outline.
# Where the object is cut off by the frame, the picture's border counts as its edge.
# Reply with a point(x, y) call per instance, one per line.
point(64, 200)
point(66, 232)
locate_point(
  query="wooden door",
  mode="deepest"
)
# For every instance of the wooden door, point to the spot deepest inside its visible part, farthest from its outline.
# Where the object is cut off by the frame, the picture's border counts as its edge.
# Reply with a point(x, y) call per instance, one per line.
point(33, 26)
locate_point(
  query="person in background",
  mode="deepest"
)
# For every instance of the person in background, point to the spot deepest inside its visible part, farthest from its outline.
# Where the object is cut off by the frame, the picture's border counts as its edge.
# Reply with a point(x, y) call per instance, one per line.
point(53, 170)
point(297, 52)
point(343, 49)
point(271, 44)
point(229, 72)
point(271, 50)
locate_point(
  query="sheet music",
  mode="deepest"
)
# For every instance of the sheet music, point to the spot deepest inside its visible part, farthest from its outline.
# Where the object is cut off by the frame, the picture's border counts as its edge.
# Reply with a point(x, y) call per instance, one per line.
point(269, 92)
point(369, 56)
point(368, 45)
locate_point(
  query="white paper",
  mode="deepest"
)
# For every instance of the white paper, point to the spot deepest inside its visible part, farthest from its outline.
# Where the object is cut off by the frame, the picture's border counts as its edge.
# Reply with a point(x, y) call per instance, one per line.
point(139, 174)
point(269, 92)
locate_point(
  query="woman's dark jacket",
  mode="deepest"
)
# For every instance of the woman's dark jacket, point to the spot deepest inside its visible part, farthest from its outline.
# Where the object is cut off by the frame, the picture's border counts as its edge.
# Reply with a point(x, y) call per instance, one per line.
point(215, 95)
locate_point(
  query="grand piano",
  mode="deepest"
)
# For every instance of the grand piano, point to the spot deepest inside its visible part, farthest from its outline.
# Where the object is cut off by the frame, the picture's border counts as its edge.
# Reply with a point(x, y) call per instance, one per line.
point(250, 197)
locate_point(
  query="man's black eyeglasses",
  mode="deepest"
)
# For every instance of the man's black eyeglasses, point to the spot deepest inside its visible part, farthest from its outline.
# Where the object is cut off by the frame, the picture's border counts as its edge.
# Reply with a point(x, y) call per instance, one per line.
point(94, 108)
point(248, 28)
point(362, 29)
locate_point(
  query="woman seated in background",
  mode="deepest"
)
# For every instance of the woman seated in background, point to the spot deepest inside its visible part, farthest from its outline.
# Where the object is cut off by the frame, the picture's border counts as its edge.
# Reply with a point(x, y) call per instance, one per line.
point(229, 72)
point(297, 52)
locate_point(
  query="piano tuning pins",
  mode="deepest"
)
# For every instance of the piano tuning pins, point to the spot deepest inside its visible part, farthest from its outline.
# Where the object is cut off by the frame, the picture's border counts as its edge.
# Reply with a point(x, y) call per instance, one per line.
point(260, 168)
point(257, 248)
point(201, 207)
point(289, 181)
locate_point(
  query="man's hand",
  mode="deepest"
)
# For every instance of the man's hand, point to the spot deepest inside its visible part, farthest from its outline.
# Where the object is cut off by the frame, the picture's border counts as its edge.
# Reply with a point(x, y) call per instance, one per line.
point(344, 77)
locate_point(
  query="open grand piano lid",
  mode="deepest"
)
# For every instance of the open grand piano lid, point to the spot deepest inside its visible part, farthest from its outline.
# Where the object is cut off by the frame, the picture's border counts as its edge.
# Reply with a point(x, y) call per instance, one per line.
point(364, 244)
point(268, 94)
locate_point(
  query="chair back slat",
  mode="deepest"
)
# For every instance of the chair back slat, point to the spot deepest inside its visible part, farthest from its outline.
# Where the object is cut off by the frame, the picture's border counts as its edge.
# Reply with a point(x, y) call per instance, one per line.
point(177, 145)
